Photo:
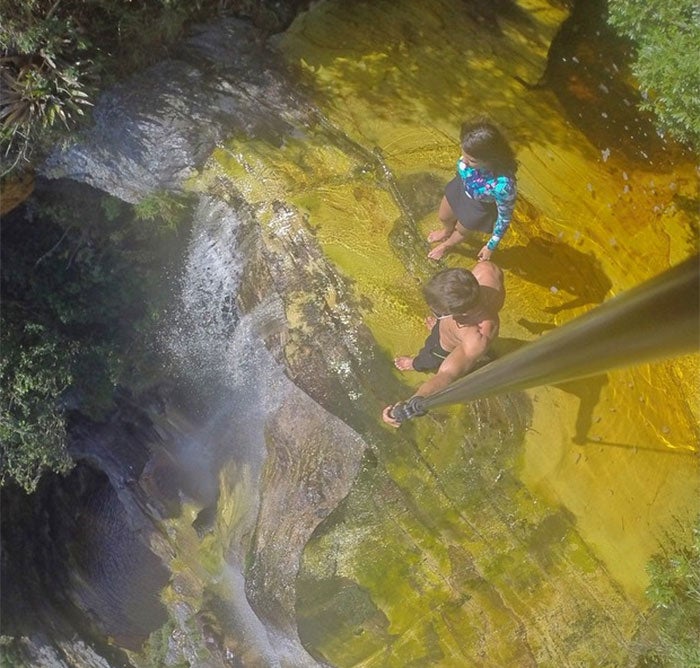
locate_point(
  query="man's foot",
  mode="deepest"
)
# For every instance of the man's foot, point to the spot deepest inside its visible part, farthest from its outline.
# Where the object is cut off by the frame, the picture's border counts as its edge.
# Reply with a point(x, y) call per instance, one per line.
point(438, 235)
point(404, 363)
point(438, 252)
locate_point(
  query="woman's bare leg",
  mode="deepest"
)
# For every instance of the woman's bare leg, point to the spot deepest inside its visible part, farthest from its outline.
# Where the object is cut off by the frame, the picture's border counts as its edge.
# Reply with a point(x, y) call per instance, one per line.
point(448, 220)
point(457, 236)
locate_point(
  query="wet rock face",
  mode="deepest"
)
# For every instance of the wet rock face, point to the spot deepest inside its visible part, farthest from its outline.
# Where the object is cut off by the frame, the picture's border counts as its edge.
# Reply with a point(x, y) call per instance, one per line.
point(310, 466)
point(295, 359)
point(77, 564)
point(154, 131)
point(149, 138)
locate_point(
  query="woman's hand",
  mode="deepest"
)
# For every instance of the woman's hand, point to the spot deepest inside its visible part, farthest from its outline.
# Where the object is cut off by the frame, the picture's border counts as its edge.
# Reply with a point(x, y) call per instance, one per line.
point(462, 167)
point(484, 254)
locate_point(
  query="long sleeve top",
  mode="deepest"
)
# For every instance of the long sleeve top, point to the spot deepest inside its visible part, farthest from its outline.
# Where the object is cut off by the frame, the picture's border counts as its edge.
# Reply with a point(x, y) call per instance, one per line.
point(482, 184)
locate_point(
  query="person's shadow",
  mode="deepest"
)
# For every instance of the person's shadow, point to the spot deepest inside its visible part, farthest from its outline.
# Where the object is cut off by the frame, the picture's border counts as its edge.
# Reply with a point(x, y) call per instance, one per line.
point(554, 264)
point(586, 389)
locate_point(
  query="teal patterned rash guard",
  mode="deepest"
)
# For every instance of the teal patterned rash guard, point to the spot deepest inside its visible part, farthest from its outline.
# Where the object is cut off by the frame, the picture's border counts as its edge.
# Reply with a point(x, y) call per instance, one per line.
point(482, 184)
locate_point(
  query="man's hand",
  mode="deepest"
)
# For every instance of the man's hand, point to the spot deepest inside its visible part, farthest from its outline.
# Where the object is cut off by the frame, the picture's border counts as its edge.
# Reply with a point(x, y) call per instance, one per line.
point(484, 254)
point(386, 416)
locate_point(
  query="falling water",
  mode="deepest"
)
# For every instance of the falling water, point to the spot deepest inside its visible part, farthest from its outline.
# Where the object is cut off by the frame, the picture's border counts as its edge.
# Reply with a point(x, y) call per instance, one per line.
point(208, 338)
point(242, 393)
point(657, 319)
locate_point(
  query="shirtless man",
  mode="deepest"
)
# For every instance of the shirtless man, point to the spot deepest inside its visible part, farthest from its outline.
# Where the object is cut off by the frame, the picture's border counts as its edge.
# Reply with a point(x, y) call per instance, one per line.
point(465, 306)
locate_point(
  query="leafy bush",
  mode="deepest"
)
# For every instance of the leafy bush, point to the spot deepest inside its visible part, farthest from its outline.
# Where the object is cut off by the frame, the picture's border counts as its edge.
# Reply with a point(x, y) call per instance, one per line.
point(34, 371)
point(75, 317)
point(54, 53)
point(674, 591)
point(160, 206)
point(666, 36)
point(43, 77)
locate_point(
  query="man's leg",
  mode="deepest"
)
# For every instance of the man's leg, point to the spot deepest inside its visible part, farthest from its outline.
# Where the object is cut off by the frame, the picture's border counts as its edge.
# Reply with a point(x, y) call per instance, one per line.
point(426, 359)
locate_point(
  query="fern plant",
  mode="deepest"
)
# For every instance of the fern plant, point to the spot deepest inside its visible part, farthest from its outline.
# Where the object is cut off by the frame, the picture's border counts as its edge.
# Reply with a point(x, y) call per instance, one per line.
point(36, 93)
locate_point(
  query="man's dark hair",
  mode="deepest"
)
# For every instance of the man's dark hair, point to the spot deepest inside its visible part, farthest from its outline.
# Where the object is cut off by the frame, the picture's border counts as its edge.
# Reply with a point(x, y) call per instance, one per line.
point(485, 142)
point(452, 291)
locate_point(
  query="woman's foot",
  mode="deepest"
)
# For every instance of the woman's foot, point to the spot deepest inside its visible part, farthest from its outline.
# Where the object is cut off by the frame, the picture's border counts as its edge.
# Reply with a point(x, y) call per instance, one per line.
point(438, 235)
point(404, 363)
point(438, 252)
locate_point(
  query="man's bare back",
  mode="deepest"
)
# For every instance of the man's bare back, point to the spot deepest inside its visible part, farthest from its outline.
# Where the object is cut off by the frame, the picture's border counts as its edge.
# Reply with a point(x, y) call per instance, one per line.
point(464, 337)
point(480, 326)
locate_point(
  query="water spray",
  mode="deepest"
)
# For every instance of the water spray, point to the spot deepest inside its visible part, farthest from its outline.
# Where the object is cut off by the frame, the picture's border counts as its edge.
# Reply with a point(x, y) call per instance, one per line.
point(658, 319)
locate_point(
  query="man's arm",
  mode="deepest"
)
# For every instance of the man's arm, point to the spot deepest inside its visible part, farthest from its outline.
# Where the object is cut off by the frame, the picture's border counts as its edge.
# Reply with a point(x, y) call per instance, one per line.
point(456, 364)
point(475, 343)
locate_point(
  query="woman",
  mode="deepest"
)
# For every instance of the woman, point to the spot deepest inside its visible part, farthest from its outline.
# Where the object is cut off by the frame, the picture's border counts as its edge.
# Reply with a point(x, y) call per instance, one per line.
point(482, 196)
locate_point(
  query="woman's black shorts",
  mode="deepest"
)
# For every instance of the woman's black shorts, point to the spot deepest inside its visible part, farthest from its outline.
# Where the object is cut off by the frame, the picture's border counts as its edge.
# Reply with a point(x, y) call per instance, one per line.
point(472, 214)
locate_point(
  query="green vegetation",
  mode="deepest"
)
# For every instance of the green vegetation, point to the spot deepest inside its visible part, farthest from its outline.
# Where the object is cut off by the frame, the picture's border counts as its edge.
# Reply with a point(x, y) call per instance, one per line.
point(35, 370)
point(53, 54)
point(76, 316)
point(160, 206)
point(666, 36)
point(156, 648)
point(674, 591)
point(44, 74)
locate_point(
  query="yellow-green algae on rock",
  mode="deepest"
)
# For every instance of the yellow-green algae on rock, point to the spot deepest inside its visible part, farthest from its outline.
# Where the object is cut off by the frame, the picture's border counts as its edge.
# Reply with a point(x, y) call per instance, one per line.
point(513, 531)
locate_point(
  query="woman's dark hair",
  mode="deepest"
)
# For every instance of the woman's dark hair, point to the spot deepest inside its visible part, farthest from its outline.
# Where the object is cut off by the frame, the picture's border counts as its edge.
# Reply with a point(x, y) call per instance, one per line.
point(485, 142)
point(452, 291)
